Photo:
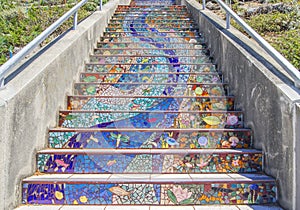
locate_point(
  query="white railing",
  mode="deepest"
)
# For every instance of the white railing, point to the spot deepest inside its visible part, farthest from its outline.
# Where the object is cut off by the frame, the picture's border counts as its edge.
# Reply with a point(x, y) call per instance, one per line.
point(284, 63)
point(8, 68)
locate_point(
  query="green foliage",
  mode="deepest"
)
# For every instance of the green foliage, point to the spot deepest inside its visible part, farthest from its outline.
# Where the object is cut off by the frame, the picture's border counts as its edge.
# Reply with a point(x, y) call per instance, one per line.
point(288, 43)
point(274, 22)
point(22, 21)
point(281, 30)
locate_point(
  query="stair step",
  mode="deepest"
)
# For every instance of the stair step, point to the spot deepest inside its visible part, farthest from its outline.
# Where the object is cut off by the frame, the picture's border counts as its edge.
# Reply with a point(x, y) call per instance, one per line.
point(131, 29)
point(141, 25)
point(152, 7)
point(149, 161)
point(170, 15)
point(150, 189)
point(147, 207)
point(187, 138)
point(141, 43)
point(160, 59)
point(153, 21)
point(150, 51)
point(163, 34)
point(151, 119)
point(142, 103)
point(150, 65)
point(150, 77)
point(151, 89)
point(153, 18)
point(151, 13)
point(157, 39)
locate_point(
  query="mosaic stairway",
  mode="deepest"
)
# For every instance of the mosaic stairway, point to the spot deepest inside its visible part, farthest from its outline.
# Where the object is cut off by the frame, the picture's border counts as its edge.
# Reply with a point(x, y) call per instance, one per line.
point(151, 122)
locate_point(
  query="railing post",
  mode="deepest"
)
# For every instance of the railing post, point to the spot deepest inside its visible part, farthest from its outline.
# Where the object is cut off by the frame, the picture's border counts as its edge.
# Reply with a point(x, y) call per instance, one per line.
point(203, 4)
point(2, 82)
point(227, 20)
point(75, 20)
point(100, 5)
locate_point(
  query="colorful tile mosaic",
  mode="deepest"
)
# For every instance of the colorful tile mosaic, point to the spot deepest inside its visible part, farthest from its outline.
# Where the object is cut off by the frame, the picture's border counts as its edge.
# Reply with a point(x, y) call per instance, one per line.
point(193, 103)
point(142, 194)
point(150, 66)
point(146, 51)
point(213, 162)
point(151, 139)
point(152, 110)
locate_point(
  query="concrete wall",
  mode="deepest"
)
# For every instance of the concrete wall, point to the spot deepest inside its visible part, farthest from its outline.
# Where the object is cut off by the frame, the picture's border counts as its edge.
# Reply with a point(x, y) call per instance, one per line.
point(267, 98)
point(30, 102)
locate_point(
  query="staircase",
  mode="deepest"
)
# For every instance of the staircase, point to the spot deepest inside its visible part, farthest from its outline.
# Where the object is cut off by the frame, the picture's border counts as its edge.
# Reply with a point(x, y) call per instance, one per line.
point(151, 122)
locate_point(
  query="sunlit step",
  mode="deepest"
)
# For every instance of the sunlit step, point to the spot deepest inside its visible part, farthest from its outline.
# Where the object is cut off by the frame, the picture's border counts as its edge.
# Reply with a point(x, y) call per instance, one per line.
point(146, 160)
point(150, 118)
point(151, 189)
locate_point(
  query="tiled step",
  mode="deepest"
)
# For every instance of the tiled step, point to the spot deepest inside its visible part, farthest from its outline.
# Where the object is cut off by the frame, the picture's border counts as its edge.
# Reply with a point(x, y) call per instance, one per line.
point(150, 65)
point(151, 77)
point(160, 15)
point(149, 189)
point(141, 43)
point(165, 58)
point(150, 29)
point(149, 18)
point(149, 51)
point(151, 118)
point(150, 13)
point(148, 89)
point(149, 138)
point(154, 3)
point(199, 103)
point(158, 39)
point(152, 7)
point(187, 138)
point(149, 161)
point(165, 34)
point(141, 25)
point(153, 21)
point(148, 207)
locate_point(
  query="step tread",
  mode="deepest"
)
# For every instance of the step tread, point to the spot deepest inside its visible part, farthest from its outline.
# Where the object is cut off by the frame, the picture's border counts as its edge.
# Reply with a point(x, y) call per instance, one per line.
point(142, 96)
point(151, 83)
point(60, 129)
point(152, 73)
point(148, 111)
point(147, 207)
point(149, 151)
point(148, 178)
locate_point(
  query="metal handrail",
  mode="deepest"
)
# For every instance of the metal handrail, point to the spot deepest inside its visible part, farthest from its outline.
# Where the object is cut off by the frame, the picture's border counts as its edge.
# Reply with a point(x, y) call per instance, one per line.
point(284, 63)
point(7, 68)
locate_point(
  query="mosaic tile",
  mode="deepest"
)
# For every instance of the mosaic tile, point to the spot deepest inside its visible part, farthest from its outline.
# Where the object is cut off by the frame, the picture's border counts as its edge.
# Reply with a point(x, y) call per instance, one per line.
point(151, 163)
point(152, 119)
point(164, 39)
point(150, 66)
point(142, 194)
point(150, 77)
point(157, 51)
point(193, 104)
point(186, 139)
point(145, 44)
point(104, 59)
point(149, 89)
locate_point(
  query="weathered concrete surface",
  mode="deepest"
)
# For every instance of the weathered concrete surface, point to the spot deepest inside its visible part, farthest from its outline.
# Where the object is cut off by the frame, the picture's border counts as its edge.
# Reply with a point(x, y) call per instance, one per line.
point(267, 98)
point(29, 104)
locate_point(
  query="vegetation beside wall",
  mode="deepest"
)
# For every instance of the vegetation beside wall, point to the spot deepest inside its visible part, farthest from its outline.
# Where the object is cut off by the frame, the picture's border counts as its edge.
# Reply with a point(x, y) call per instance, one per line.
point(280, 27)
point(22, 21)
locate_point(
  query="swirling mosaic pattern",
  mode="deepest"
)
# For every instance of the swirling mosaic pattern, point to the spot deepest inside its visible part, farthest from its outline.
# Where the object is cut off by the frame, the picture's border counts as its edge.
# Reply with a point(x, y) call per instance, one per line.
point(150, 87)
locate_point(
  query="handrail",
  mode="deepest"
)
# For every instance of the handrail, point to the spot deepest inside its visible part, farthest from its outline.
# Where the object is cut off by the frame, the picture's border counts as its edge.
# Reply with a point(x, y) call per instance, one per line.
point(284, 63)
point(7, 68)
